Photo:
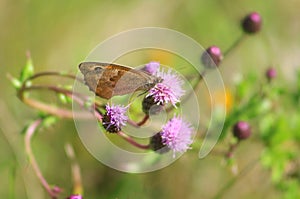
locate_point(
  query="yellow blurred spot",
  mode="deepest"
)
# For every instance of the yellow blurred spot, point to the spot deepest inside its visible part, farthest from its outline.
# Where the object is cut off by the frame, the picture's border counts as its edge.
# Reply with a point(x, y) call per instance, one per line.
point(222, 98)
point(163, 57)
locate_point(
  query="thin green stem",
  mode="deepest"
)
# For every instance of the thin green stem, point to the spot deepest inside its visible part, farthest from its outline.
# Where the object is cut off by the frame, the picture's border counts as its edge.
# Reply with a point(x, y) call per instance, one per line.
point(234, 45)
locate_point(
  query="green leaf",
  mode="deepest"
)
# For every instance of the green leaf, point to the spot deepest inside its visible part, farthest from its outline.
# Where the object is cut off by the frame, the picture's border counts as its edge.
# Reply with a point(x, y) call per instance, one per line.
point(23, 131)
point(267, 127)
point(291, 189)
point(27, 71)
point(63, 98)
point(49, 121)
point(16, 83)
point(244, 87)
point(282, 131)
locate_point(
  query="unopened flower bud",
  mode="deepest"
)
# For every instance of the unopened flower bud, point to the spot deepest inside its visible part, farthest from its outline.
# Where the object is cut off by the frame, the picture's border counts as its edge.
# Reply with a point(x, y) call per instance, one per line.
point(271, 73)
point(212, 57)
point(252, 23)
point(242, 130)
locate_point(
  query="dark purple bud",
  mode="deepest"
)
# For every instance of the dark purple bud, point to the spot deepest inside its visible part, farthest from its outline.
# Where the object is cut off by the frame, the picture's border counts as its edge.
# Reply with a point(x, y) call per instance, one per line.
point(150, 107)
point(252, 23)
point(271, 73)
point(156, 144)
point(212, 57)
point(242, 130)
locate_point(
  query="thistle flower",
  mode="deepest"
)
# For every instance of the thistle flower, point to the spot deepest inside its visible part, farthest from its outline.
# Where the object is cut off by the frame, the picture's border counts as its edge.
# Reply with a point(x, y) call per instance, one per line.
point(152, 67)
point(114, 118)
point(177, 135)
point(169, 90)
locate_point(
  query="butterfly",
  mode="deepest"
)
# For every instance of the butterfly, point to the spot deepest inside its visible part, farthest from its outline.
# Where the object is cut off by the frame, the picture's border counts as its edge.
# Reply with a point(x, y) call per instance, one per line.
point(107, 80)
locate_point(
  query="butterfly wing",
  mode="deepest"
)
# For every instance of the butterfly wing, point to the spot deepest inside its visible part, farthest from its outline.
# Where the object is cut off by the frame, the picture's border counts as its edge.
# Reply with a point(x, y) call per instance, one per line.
point(107, 80)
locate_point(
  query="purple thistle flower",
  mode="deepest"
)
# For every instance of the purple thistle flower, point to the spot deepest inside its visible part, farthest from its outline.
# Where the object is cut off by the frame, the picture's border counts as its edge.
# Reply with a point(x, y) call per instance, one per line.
point(152, 67)
point(177, 135)
point(169, 90)
point(114, 118)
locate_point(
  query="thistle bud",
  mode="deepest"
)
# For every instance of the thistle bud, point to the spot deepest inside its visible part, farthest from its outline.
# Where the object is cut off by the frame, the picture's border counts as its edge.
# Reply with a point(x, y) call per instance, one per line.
point(212, 57)
point(241, 130)
point(252, 23)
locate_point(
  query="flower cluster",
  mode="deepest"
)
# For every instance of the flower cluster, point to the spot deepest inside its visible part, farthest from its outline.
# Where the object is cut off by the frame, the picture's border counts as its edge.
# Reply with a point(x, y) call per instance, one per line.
point(176, 134)
point(114, 118)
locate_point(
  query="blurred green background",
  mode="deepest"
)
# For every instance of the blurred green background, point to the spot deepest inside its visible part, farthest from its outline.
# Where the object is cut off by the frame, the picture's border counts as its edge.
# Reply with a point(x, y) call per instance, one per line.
point(60, 34)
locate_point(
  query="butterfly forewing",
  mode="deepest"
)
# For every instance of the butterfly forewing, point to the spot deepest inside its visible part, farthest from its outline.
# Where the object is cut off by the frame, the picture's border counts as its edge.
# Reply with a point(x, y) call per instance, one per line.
point(107, 80)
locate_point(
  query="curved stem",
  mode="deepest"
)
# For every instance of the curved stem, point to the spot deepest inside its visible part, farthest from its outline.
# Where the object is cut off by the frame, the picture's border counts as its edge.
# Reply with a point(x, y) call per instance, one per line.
point(60, 112)
point(29, 133)
point(234, 45)
point(144, 120)
point(140, 123)
point(132, 141)
point(37, 75)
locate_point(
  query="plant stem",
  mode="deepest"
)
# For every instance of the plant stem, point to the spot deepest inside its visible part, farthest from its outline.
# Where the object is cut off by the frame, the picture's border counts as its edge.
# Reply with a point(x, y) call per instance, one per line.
point(231, 149)
point(37, 75)
point(29, 133)
point(75, 168)
point(144, 120)
point(234, 45)
point(60, 112)
point(140, 123)
point(132, 141)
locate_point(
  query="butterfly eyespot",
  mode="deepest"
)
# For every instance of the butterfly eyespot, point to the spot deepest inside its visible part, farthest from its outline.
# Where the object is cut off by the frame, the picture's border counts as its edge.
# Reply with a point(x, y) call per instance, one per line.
point(113, 78)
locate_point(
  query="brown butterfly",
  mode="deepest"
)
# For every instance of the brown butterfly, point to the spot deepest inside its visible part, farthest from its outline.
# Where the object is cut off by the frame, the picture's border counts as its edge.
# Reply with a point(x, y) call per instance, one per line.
point(108, 80)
